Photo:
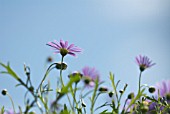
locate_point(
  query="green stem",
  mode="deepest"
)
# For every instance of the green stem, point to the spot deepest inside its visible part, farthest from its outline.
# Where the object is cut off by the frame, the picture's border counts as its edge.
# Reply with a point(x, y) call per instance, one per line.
point(74, 95)
point(118, 105)
point(138, 94)
point(63, 82)
point(12, 103)
point(93, 97)
point(139, 82)
point(124, 106)
point(61, 71)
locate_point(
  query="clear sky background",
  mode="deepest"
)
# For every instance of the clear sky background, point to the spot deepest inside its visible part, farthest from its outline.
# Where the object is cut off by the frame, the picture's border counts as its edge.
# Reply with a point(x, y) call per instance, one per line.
point(111, 33)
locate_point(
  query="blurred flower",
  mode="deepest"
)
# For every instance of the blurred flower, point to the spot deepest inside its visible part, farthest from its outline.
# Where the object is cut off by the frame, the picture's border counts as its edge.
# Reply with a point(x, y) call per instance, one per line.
point(164, 89)
point(10, 112)
point(144, 62)
point(63, 48)
point(90, 75)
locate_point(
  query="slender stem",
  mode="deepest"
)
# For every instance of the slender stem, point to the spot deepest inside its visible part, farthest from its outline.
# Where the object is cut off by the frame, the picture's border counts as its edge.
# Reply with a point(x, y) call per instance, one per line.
point(139, 82)
point(63, 82)
point(118, 105)
point(139, 90)
point(93, 97)
point(70, 102)
point(61, 71)
point(74, 95)
point(12, 103)
point(124, 105)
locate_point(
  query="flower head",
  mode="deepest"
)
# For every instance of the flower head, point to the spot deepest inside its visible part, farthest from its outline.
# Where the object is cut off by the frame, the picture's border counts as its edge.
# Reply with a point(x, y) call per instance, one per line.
point(144, 62)
point(63, 48)
point(164, 89)
point(90, 75)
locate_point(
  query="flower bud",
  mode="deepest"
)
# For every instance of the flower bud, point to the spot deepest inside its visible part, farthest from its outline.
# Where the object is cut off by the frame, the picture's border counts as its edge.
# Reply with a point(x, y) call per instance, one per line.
point(4, 92)
point(121, 91)
point(76, 74)
point(103, 89)
point(111, 93)
point(31, 89)
point(143, 98)
point(83, 104)
point(61, 66)
point(151, 89)
point(131, 95)
point(28, 74)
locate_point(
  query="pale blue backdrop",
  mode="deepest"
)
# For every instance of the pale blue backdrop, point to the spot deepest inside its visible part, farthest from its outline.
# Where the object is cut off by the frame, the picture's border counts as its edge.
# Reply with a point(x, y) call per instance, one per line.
point(111, 33)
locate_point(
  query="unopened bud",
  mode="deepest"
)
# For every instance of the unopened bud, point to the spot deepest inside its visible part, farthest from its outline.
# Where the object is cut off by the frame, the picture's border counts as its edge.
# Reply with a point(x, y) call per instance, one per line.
point(82, 103)
point(131, 95)
point(111, 93)
point(143, 98)
point(103, 89)
point(4, 92)
point(61, 66)
point(121, 91)
point(28, 74)
point(31, 89)
point(151, 89)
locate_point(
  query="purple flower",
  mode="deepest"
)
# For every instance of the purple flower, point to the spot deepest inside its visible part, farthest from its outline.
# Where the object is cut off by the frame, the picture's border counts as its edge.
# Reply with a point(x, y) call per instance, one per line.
point(164, 89)
point(144, 62)
point(9, 112)
point(63, 48)
point(90, 75)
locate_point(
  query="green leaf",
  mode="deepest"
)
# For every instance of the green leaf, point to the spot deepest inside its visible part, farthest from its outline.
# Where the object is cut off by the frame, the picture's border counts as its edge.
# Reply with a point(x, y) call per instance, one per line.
point(113, 81)
point(105, 112)
point(9, 71)
point(65, 111)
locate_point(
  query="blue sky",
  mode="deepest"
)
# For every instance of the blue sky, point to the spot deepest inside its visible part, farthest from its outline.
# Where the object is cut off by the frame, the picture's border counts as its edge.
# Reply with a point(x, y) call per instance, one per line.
point(111, 33)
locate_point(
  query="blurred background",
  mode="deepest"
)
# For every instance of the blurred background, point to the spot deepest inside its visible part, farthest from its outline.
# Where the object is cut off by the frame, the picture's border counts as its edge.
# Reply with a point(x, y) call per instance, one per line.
point(111, 33)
